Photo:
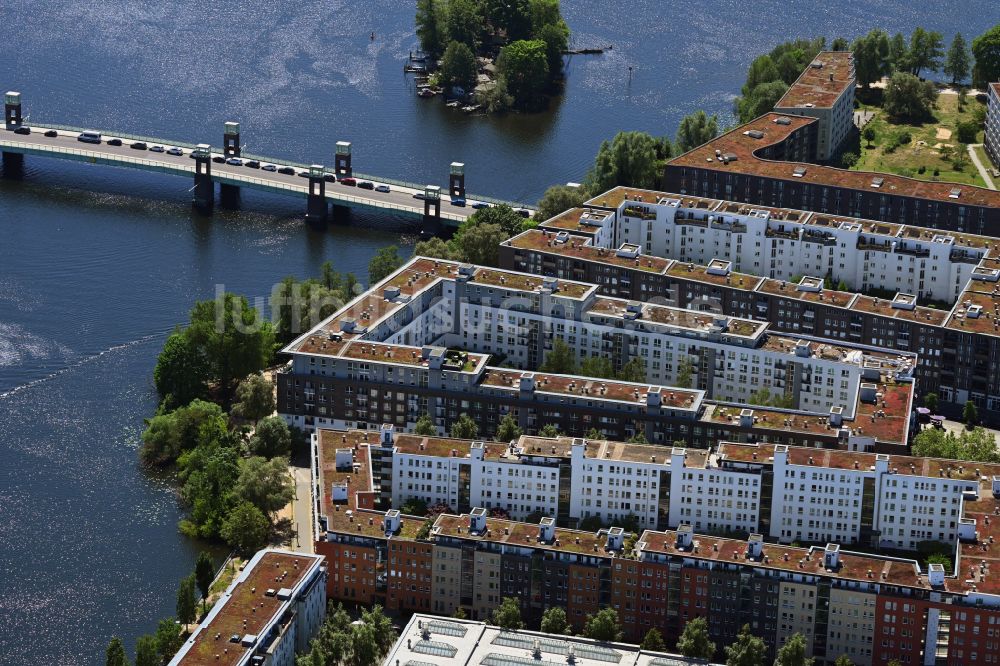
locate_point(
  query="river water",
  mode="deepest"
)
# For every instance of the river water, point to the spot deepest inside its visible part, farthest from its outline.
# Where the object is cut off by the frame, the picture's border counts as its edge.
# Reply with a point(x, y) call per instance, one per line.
point(97, 265)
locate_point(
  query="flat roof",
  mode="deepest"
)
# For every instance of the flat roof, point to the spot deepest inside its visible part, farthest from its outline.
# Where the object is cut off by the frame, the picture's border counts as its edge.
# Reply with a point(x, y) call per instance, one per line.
point(822, 82)
point(513, 533)
point(495, 277)
point(578, 220)
point(592, 388)
point(976, 311)
point(698, 272)
point(744, 147)
point(582, 248)
point(246, 608)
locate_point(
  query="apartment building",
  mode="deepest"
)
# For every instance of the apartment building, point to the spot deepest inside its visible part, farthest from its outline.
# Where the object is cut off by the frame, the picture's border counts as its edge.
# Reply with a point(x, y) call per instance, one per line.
point(270, 612)
point(956, 346)
point(991, 131)
point(468, 642)
point(874, 608)
point(824, 91)
point(768, 162)
point(390, 357)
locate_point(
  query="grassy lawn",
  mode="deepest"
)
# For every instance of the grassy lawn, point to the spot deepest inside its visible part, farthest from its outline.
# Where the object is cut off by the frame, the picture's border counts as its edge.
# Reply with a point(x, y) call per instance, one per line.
point(985, 159)
point(925, 156)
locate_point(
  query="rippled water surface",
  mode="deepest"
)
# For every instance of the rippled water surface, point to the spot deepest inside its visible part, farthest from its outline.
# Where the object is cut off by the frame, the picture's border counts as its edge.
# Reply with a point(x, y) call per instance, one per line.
point(97, 265)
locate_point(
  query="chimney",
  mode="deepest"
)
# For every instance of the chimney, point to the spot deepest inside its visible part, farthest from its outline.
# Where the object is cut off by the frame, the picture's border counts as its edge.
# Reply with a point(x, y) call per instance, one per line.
point(478, 450)
point(831, 556)
point(391, 521)
point(755, 546)
point(477, 520)
point(527, 382)
point(387, 434)
point(746, 418)
point(836, 416)
point(547, 530)
point(685, 536)
point(616, 538)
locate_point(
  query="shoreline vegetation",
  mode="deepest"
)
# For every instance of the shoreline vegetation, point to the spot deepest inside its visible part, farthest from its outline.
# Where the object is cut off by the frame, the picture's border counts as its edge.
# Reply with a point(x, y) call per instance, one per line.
point(491, 55)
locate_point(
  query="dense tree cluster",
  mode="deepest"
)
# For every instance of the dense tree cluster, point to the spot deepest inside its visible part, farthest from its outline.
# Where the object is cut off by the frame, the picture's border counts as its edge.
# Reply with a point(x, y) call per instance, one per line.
point(339, 641)
point(562, 360)
point(478, 239)
point(770, 75)
point(531, 37)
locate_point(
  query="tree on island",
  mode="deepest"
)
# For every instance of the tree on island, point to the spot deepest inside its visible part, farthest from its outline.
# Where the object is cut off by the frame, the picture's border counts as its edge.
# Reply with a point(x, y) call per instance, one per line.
point(465, 23)
point(524, 66)
point(458, 67)
point(431, 26)
point(254, 398)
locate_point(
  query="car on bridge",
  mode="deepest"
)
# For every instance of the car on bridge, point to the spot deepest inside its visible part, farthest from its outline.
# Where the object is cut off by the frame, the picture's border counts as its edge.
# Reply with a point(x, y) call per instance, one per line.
point(234, 161)
point(330, 177)
point(480, 205)
point(458, 201)
point(114, 142)
point(156, 149)
point(382, 188)
point(51, 133)
point(269, 167)
point(89, 137)
point(252, 164)
point(288, 171)
point(22, 130)
point(138, 145)
point(366, 185)
point(349, 181)
point(174, 150)
point(218, 159)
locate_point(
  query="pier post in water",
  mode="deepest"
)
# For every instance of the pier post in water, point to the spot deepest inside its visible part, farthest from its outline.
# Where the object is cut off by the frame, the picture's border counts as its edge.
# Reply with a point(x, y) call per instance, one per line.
point(204, 188)
point(316, 208)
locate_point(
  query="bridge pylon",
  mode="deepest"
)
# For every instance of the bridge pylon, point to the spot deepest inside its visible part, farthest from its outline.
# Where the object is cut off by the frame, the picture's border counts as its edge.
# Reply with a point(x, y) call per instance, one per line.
point(229, 195)
point(432, 210)
point(342, 165)
point(12, 109)
point(456, 180)
point(317, 210)
point(204, 189)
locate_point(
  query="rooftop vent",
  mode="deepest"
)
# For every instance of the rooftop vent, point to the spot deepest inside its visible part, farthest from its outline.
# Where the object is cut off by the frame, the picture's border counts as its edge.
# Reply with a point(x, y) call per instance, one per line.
point(685, 536)
point(754, 134)
point(878, 182)
point(935, 575)
point(782, 120)
point(955, 193)
point(799, 171)
point(831, 556)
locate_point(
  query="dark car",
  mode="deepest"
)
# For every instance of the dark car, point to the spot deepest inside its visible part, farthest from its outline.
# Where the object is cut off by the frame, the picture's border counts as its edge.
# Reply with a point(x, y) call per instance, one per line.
point(51, 133)
point(22, 130)
point(458, 201)
point(114, 142)
point(480, 205)
point(330, 178)
point(139, 145)
point(349, 181)
point(302, 174)
point(252, 164)
point(366, 185)
point(288, 171)
point(523, 212)
point(218, 159)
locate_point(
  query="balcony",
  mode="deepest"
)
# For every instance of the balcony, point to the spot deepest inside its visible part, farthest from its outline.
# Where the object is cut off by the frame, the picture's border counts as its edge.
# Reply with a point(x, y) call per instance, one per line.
point(914, 251)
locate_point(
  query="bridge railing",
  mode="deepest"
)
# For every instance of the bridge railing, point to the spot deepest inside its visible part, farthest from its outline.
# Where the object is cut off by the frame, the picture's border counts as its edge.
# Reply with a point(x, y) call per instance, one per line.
point(96, 156)
point(416, 187)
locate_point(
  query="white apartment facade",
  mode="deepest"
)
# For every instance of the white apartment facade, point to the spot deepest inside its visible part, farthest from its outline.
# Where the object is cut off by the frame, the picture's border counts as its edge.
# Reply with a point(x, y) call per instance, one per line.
point(782, 244)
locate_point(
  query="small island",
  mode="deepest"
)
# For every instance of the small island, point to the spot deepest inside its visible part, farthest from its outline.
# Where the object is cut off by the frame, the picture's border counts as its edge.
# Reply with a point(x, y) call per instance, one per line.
point(490, 55)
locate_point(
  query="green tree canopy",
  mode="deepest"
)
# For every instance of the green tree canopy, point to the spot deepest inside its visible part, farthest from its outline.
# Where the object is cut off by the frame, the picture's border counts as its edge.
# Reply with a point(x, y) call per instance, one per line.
point(970, 415)
point(480, 244)
point(501, 215)
point(793, 653)
point(554, 621)
point(524, 67)
point(187, 602)
point(871, 57)
point(204, 573)
point(762, 100)
point(432, 29)
point(747, 650)
point(653, 641)
point(458, 68)
point(387, 259)
point(561, 359)
point(511, 17)
point(464, 428)
point(695, 129)
point(694, 641)
point(272, 438)
point(633, 371)
point(549, 430)
point(265, 483)
point(436, 248)
point(182, 371)
point(558, 199)
point(145, 651)
point(843, 660)
point(169, 435)
point(208, 474)
point(931, 401)
point(958, 62)
point(909, 98)
point(466, 22)
point(975, 445)
point(986, 53)
point(168, 639)
point(508, 430)
point(629, 159)
point(115, 655)
point(425, 426)
point(603, 626)
point(926, 51)
point(246, 528)
point(685, 373)
point(556, 39)
point(254, 398)
point(508, 614)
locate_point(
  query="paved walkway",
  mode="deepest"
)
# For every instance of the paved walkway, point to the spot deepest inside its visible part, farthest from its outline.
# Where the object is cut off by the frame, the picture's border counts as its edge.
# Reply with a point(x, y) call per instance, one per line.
point(302, 510)
point(983, 171)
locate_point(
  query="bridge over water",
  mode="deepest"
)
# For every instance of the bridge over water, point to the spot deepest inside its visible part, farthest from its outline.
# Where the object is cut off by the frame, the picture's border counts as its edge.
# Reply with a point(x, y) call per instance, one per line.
point(326, 196)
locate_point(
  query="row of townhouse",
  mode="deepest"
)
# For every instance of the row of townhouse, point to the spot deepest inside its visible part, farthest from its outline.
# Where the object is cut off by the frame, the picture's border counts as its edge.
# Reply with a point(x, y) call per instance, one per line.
point(419, 343)
point(955, 347)
point(873, 608)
